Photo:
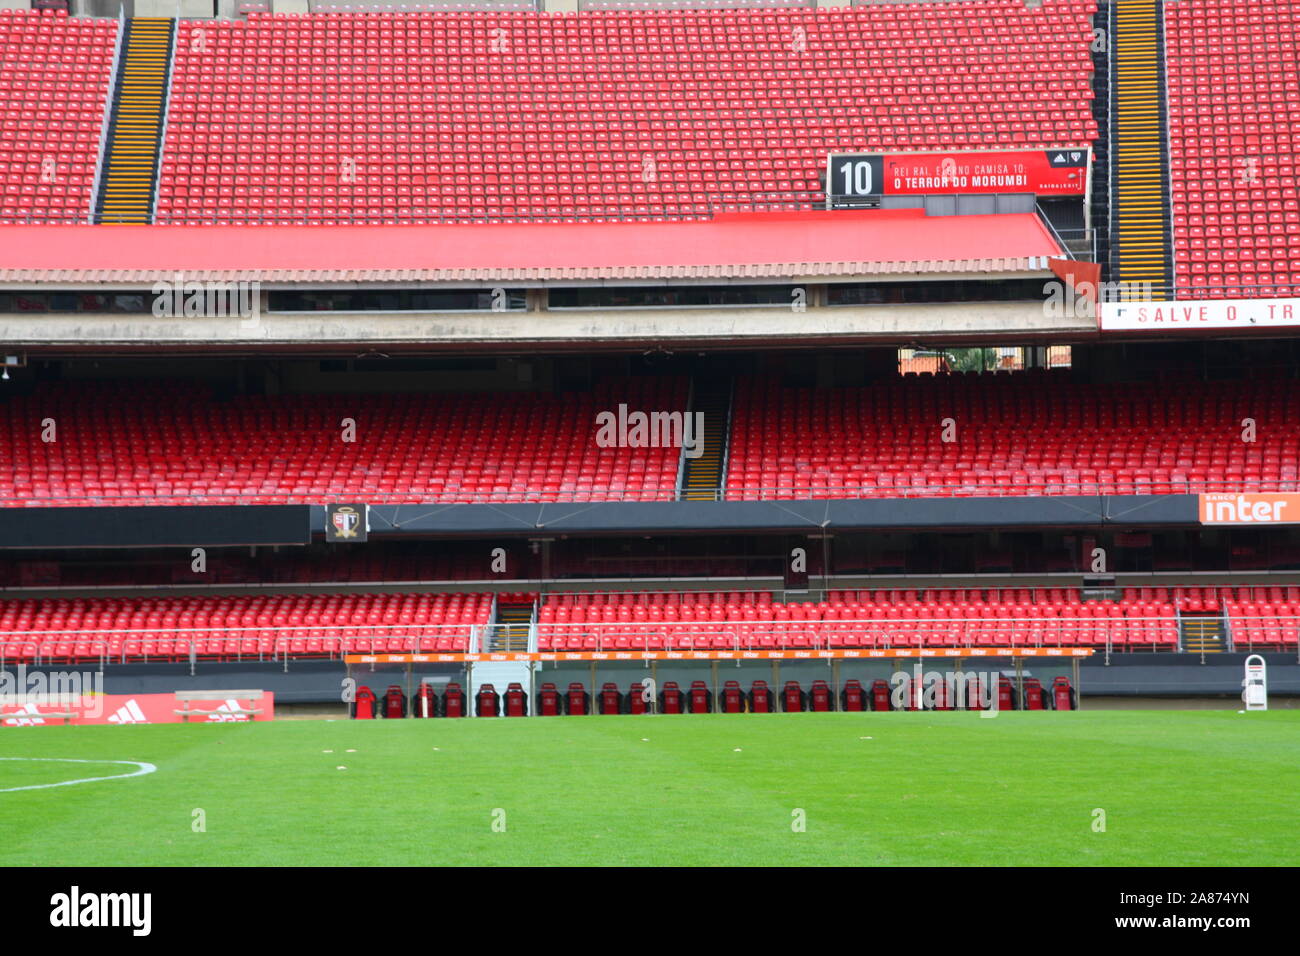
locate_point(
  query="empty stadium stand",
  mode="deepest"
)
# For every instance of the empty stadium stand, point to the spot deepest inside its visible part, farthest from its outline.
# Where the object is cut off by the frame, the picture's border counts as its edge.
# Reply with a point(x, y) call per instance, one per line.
point(54, 80)
point(117, 446)
point(1033, 433)
point(517, 115)
point(242, 626)
point(1145, 618)
point(1262, 617)
point(1026, 434)
point(452, 116)
point(1234, 109)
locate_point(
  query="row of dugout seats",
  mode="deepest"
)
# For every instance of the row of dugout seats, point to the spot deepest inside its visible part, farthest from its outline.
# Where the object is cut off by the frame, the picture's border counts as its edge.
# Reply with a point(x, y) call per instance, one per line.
point(577, 701)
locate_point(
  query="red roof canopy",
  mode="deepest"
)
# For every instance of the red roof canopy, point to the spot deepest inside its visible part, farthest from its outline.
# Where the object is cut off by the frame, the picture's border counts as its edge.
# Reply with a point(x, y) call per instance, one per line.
point(730, 246)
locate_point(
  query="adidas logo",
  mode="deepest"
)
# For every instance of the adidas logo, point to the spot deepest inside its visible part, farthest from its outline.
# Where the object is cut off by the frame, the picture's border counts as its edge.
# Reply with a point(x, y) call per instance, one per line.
point(223, 713)
point(25, 716)
point(128, 713)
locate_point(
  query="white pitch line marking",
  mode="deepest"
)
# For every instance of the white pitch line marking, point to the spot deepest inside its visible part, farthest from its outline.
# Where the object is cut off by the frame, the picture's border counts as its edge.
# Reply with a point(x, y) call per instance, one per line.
point(141, 768)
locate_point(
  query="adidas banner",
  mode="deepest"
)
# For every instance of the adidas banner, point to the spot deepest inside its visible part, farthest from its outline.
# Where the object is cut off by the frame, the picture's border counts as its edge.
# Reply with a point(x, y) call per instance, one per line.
point(47, 710)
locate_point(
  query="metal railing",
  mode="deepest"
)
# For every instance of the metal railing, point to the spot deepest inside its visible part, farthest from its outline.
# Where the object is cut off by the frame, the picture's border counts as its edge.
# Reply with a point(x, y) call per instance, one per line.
point(1110, 633)
point(1113, 633)
point(238, 643)
point(991, 485)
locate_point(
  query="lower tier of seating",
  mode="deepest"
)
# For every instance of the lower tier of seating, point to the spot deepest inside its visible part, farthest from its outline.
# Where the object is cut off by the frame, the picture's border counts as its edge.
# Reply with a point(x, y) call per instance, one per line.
point(1145, 619)
point(231, 627)
point(275, 626)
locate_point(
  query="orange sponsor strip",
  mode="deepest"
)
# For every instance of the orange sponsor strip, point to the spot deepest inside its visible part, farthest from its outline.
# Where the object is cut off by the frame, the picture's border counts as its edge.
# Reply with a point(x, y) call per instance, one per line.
point(1253, 508)
point(852, 655)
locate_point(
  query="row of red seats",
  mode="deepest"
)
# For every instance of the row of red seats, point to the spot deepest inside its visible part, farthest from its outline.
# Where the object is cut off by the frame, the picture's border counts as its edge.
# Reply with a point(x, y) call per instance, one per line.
point(945, 692)
point(481, 88)
point(113, 446)
point(622, 603)
point(238, 626)
point(1145, 618)
point(277, 625)
point(1233, 90)
point(1016, 434)
point(54, 78)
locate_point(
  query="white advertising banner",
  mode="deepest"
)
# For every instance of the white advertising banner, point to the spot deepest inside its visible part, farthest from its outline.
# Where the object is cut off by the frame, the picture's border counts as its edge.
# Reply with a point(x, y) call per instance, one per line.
point(1209, 314)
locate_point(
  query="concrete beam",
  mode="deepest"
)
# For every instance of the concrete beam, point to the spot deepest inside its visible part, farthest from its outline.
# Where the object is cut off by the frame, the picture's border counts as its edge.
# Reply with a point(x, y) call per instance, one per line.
point(947, 323)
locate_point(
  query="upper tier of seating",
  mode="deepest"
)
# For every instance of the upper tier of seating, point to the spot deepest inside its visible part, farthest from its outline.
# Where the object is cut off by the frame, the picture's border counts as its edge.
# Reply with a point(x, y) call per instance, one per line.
point(54, 78)
point(1234, 131)
point(172, 443)
point(442, 116)
point(1019, 434)
point(1015, 434)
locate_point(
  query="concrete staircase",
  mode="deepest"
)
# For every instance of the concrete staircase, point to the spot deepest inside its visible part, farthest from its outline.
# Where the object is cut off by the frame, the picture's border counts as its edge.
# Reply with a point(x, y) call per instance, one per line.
point(128, 175)
point(703, 477)
point(1141, 233)
point(1202, 634)
point(510, 629)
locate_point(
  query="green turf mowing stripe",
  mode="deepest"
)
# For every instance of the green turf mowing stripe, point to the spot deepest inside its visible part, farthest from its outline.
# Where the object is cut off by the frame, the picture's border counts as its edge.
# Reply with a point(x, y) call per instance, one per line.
point(1178, 788)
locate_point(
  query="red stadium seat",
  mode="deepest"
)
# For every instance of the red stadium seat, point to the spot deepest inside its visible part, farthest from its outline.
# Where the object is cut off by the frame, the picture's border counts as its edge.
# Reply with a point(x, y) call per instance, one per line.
point(549, 702)
point(515, 701)
point(699, 699)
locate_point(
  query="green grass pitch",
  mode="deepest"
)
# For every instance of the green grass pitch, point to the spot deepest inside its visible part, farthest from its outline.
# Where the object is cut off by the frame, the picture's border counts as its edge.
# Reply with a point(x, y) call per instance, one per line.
point(1177, 788)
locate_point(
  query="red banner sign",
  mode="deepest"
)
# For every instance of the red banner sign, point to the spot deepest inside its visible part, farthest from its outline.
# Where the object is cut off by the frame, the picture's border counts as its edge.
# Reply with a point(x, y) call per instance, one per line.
point(131, 709)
